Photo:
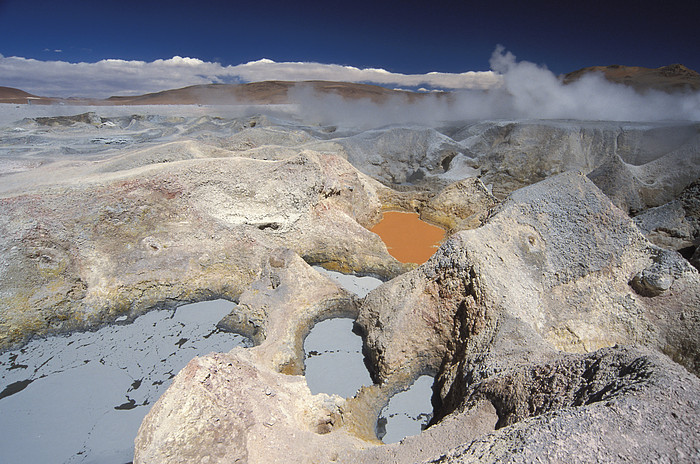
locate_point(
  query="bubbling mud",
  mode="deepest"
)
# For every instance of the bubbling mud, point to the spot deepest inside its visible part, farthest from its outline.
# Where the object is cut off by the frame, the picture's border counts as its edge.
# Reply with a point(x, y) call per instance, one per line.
point(407, 238)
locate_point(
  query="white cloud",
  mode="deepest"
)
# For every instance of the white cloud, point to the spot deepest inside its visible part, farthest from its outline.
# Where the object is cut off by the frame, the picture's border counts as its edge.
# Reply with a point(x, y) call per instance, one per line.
point(121, 77)
point(298, 71)
point(517, 89)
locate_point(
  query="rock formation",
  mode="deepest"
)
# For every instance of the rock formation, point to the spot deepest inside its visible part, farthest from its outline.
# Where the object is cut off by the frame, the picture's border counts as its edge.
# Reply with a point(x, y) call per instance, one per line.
point(549, 317)
point(556, 267)
point(278, 310)
point(85, 253)
point(613, 405)
point(461, 205)
point(253, 405)
point(492, 334)
point(676, 224)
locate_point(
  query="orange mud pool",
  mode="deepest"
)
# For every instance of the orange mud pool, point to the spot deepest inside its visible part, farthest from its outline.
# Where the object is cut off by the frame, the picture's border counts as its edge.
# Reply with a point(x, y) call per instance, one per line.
point(407, 238)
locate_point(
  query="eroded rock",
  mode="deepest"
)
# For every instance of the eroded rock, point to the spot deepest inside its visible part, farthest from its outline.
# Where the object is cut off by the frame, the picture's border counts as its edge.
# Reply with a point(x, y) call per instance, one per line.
point(551, 269)
point(658, 278)
point(82, 254)
point(613, 405)
point(240, 207)
point(489, 315)
point(229, 408)
point(461, 205)
point(279, 309)
point(666, 226)
point(656, 161)
point(610, 405)
point(676, 225)
point(398, 154)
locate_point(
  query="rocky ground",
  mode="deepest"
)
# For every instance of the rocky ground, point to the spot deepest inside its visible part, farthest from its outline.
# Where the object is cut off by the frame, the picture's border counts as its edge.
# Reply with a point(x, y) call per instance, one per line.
point(559, 318)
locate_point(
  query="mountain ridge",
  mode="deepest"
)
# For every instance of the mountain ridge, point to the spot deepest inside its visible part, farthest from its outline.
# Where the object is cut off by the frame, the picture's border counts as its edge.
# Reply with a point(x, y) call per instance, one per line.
point(261, 93)
point(670, 79)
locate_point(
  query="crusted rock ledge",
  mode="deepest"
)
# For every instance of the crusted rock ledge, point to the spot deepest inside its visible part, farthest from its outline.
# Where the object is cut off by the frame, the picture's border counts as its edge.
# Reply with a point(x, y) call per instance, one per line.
point(79, 255)
point(495, 316)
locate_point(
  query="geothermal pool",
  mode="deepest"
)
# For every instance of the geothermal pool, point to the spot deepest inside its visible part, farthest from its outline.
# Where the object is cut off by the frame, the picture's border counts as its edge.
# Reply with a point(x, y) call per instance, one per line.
point(334, 361)
point(80, 398)
point(335, 364)
point(407, 238)
point(407, 413)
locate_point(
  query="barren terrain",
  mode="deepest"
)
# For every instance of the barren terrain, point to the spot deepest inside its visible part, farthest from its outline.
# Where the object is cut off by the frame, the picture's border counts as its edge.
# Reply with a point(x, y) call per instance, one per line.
point(558, 319)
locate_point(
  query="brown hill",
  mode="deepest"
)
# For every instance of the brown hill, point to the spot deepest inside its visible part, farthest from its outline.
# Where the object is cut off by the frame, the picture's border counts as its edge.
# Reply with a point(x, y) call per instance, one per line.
point(672, 78)
point(12, 95)
point(262, 93)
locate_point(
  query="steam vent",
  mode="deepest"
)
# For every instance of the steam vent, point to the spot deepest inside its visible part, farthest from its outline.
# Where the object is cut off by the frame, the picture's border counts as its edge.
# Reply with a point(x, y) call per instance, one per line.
point(547, 303)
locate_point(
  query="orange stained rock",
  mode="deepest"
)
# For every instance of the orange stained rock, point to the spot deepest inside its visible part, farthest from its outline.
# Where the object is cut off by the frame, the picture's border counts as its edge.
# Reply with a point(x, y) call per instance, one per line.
point(407, 238)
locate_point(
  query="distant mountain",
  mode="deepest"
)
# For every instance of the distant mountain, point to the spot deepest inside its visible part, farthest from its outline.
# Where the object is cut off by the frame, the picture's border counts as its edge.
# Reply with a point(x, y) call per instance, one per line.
point(672, 78)
point(12, 95)
point(256, 93)
point(261, 93)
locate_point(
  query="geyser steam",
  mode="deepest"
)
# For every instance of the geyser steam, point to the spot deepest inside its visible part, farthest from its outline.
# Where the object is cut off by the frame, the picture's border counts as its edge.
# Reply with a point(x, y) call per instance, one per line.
point(528, 91)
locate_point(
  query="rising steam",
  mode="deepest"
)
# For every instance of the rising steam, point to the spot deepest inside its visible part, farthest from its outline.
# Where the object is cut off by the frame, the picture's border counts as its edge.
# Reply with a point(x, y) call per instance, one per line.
point(528, 91)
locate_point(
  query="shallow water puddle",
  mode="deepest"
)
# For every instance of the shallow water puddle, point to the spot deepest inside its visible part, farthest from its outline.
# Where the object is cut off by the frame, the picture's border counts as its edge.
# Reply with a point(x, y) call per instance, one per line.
point(335, 364)
point(333, 359)
point(82, 397)
point(407, 413)
point(358, 285)
point(407, 238)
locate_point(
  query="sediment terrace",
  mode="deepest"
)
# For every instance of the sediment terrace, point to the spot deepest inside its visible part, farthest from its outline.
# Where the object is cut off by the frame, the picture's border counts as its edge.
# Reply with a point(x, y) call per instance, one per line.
point(558, 300)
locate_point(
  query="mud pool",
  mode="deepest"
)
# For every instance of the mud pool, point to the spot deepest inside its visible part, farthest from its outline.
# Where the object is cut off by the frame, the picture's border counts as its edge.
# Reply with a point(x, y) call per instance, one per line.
point(359, 285)
point(334, 361)
point(81, 398)
point(407, 238)
point(407, 413)
point(334, 364)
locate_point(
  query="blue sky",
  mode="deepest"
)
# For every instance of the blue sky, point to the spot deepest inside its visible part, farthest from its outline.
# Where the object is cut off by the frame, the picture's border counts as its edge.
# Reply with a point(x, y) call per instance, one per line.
point(409, 37)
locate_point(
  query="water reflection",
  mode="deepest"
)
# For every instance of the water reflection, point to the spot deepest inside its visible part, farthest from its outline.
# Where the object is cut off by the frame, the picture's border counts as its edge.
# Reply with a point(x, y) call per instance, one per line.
point(334, 361)
point(82, 397)
point(407, 413)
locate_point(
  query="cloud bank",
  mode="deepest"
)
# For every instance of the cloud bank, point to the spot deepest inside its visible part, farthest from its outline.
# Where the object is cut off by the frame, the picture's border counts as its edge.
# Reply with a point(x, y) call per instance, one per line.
point(120, 77)
point(512, 90)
